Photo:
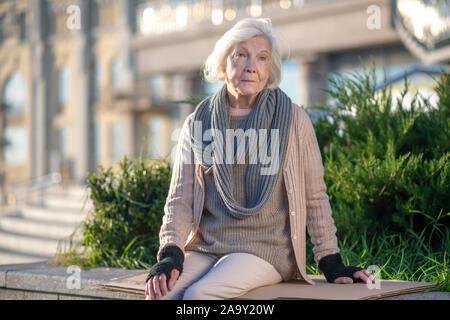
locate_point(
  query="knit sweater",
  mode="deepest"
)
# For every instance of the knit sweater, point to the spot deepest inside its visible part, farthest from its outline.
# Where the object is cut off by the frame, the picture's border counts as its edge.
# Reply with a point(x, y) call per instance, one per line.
point(266, 234)
point(309, 207)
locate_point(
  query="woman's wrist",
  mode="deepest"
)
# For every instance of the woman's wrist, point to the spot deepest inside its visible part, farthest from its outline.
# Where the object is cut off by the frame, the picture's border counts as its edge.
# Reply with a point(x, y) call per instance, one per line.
point(333, 268)
point(170, 257)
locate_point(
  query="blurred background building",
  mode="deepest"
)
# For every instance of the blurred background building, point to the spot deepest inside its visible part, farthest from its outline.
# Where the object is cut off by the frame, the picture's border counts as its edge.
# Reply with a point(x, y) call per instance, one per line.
point(85, 82)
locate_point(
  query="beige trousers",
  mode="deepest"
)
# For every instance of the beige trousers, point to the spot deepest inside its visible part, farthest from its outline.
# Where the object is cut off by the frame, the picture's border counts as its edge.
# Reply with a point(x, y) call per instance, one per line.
point(206, 277)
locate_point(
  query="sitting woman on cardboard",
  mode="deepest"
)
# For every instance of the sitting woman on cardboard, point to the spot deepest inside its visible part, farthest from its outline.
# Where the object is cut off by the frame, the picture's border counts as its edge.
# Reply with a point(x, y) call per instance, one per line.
point(247, 218)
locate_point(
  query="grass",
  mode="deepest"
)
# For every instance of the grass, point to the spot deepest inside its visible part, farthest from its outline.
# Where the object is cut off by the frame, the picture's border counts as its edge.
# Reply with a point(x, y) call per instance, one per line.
point(410, 258)
point(72, 252)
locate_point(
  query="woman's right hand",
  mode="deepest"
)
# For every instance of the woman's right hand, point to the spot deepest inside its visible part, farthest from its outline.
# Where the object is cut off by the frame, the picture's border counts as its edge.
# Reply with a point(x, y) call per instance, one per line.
point(157, 286)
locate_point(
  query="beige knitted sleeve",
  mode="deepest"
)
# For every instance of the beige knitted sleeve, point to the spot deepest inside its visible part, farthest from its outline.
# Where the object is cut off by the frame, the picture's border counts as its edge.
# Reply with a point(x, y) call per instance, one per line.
point(319, 221)
point(178, 209)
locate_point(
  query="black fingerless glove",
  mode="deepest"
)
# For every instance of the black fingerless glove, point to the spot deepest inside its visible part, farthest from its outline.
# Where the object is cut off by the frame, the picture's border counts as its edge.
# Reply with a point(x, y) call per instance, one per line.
point(171, 257)
point(333, 268)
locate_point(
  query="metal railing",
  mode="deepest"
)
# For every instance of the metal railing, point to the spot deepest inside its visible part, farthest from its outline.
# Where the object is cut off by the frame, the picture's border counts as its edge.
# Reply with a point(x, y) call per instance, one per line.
point(32, 190)
point(434, 69)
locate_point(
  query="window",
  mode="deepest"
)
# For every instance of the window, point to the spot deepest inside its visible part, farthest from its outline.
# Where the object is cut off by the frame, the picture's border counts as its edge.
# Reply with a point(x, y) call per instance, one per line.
point(211, 88)
point(290, 79)
point(97, 143)
point(96, 82)
point(63, 86)
point(15, 151)
point(116, 141)
point(14, 96)
point(155, 131)
point(115, 75)
point(63, 143)
point(156, 87)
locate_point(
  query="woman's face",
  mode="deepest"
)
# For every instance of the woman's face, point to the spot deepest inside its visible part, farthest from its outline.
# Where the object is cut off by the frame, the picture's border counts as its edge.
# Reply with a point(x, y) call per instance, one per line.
point(248, 66)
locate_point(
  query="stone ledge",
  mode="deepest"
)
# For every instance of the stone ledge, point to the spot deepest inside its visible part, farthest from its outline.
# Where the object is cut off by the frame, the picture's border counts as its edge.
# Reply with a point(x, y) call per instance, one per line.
point(43, 281)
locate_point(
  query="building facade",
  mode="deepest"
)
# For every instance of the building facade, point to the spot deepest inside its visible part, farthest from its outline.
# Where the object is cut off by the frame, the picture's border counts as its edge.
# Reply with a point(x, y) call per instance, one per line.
point(66, 68)
point(85, 82)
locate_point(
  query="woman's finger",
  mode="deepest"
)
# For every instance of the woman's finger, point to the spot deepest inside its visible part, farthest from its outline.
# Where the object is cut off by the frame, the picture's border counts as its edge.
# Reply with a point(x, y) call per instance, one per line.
point(147, 291)
point(152, 291)
point(343, 280)
point(148, 295)
point(361, 275)
point(371, 277)
point(163, 284)
point(156, 287)
point(173, 278)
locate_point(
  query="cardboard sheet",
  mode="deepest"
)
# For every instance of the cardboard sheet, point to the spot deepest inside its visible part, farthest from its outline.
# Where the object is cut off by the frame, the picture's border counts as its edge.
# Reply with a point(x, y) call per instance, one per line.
point(294, 289)
point(322, 290)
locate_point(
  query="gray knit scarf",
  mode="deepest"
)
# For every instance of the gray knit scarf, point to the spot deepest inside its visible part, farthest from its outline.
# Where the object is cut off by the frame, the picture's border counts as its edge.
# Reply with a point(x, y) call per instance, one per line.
point(272, 110)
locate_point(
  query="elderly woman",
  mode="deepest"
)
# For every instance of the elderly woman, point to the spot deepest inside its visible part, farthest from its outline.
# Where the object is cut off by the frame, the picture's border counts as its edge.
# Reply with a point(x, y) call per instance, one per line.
point(246, 220)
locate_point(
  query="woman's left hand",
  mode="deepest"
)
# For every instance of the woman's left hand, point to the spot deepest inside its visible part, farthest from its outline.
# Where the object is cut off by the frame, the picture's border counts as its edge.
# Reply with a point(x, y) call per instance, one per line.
point(364, 275)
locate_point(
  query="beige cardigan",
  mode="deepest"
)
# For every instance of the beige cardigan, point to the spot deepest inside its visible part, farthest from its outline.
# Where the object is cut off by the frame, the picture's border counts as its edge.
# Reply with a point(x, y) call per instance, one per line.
point(309, 205)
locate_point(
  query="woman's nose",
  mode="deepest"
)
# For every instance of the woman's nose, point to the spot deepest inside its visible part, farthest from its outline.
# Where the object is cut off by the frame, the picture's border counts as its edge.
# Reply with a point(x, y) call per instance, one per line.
point(249, 66)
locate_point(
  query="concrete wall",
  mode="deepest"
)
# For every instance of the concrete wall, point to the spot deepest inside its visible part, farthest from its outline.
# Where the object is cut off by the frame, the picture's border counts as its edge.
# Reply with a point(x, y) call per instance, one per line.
point(40, 281)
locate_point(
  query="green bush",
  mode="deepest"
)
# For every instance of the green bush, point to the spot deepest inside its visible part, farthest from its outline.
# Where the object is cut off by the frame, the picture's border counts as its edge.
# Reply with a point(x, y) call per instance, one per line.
point(386, 169)
point(387, 176)
point(122, 228)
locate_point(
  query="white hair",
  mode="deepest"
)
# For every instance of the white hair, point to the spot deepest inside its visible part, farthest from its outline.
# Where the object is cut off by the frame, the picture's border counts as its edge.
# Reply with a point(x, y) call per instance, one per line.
point(214, 67)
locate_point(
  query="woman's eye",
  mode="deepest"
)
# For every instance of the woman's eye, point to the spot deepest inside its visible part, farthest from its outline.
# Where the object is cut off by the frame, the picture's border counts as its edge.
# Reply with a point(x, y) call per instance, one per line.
point(241, 54)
